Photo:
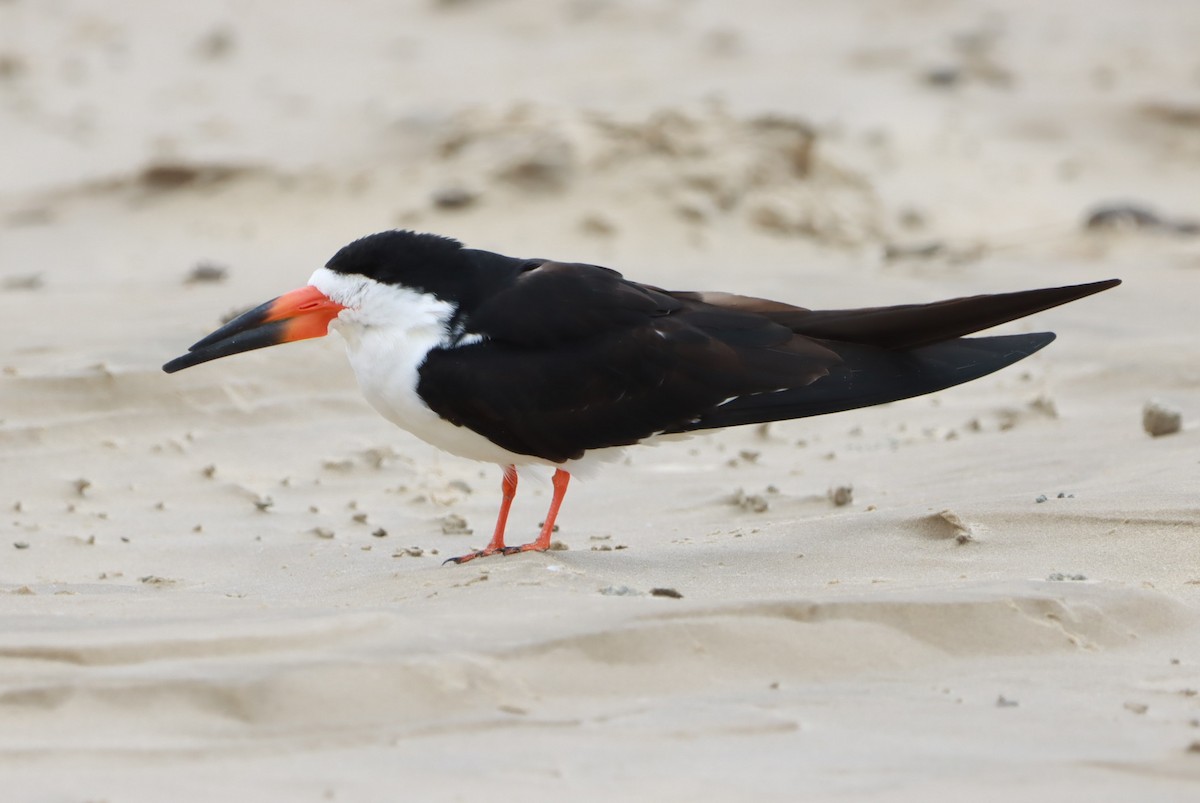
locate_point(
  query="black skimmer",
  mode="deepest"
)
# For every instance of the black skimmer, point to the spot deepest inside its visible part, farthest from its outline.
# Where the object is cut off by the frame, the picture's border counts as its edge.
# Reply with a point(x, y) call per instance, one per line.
point(522, 362)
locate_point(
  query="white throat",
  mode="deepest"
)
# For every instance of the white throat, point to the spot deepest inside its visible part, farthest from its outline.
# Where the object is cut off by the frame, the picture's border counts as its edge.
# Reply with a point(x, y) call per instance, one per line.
point(389, 331)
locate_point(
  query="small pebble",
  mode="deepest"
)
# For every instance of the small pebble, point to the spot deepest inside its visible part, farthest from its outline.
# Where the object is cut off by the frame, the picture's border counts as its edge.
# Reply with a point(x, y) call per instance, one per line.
point(618, 591)
point(215, 44)
point(597, 225)
point(943, 76)
point(206, 272)
point(454, 197)
point(1160, 418)
point(952, 524)
point(924, 250)
point(665, 592)
point(454, 524)
point(842, 495)
point(1125, 216)
point(751, 502)
point(30, 281)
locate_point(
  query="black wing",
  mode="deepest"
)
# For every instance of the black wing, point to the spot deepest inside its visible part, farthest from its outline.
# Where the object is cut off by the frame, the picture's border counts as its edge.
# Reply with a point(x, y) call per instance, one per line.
point(574, 357)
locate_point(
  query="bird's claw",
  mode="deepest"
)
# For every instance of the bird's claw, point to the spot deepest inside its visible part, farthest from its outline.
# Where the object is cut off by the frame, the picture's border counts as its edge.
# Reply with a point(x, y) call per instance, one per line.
point(504, 550)
point(483, 553)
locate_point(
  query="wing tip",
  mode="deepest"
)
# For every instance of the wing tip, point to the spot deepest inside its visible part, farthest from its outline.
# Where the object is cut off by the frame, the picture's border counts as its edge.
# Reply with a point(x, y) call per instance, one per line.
point(1038, 340)
point(1096, 287)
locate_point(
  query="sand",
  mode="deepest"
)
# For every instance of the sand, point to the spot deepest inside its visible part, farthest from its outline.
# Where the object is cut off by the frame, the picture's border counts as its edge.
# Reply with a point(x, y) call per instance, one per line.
point(226, 584)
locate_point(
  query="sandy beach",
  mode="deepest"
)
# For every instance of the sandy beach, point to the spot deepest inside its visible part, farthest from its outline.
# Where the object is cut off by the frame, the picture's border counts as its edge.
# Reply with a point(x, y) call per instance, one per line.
point(227, 584)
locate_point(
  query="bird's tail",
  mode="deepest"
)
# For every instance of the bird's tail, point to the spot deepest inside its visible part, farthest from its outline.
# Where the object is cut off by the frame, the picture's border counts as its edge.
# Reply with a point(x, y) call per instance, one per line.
point(913, 325)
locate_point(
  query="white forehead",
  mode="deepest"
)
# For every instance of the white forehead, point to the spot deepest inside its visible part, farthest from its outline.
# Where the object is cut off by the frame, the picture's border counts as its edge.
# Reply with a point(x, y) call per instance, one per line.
point(349, 291)
point(373, 303)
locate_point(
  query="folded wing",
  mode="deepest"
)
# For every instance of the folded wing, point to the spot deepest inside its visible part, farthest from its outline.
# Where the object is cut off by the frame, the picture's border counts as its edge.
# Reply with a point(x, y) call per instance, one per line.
point(574, 357)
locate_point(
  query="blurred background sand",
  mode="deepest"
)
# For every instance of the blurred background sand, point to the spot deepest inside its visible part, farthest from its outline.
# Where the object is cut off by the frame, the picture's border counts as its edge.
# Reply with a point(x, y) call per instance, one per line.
point(226, 584)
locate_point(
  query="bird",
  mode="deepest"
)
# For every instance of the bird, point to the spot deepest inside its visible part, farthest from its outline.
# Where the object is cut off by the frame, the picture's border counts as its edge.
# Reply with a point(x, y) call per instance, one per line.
point(534, 362)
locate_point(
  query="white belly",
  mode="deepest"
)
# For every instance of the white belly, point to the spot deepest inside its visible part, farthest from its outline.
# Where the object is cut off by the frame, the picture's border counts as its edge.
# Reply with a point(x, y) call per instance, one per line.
point(386, 366)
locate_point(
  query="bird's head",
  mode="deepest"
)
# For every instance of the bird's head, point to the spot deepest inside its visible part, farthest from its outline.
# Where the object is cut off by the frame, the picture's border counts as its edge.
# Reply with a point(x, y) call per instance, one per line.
point(379, 280)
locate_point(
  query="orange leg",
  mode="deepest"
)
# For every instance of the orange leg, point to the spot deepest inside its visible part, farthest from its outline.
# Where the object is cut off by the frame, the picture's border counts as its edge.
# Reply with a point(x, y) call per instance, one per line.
point(561, 478)
point(508, 490)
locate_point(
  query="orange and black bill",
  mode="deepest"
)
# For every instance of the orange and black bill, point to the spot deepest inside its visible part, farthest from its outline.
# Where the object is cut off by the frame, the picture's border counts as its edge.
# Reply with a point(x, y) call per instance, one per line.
point(297, 315)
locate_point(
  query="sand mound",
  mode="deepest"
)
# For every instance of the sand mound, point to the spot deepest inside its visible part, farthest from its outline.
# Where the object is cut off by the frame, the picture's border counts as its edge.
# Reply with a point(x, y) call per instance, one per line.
point(698, 167)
